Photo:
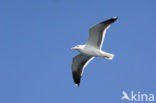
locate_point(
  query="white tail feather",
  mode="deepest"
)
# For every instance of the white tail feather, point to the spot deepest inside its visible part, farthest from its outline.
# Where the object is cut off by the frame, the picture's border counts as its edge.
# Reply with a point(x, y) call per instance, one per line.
point(108, 56)
point(111, 56)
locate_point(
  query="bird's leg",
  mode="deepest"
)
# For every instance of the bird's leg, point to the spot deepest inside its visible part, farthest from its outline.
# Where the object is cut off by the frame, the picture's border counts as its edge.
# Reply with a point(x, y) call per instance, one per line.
point(106, 57)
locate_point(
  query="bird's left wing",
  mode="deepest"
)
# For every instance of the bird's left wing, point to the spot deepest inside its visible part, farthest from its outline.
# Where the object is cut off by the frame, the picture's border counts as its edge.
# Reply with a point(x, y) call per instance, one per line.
point(78, 65)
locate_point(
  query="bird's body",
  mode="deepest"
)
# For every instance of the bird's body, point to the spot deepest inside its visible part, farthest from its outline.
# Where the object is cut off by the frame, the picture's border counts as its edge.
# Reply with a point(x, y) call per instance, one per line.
point(94, 52)
point(91, 49)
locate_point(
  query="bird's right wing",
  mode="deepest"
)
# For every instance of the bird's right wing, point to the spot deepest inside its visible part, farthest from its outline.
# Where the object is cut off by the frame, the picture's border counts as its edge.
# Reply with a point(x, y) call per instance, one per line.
point(78, 65)
point(97, 33)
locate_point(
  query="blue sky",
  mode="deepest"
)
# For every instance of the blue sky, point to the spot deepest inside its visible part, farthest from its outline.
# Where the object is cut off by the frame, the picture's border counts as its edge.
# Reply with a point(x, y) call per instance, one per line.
point(35, 55)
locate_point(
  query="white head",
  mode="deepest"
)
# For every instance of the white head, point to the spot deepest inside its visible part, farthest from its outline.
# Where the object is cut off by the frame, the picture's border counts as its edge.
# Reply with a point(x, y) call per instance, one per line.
point(78, 47)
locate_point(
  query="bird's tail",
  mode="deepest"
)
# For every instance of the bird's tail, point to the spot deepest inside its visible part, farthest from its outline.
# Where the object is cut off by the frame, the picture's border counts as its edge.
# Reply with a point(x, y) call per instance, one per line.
point(109, 56)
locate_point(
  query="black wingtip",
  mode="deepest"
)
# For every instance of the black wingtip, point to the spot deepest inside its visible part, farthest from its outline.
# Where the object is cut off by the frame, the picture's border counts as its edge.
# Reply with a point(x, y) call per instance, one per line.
point(77, 84)
point(76, 78)
point(110, 20)
point(115, 18)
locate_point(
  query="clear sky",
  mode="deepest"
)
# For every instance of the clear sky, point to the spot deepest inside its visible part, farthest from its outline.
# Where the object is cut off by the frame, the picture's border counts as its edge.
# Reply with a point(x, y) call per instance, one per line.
point(36, 37)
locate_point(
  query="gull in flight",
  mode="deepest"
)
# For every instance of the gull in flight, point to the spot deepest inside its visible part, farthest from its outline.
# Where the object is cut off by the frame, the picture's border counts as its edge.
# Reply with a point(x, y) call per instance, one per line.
point(91, 49)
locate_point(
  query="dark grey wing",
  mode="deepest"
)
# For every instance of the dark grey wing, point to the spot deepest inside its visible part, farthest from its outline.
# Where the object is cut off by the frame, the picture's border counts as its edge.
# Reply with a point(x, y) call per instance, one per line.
point(97, 33)
point(78, 65)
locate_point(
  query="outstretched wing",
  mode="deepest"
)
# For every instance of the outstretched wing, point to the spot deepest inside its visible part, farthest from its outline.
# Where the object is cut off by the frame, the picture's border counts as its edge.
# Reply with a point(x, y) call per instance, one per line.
point(78, 65)
point(97, 33)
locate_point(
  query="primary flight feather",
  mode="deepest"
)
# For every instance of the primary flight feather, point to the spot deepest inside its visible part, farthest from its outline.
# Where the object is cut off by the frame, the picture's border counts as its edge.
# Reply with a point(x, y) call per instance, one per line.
point(91, 49)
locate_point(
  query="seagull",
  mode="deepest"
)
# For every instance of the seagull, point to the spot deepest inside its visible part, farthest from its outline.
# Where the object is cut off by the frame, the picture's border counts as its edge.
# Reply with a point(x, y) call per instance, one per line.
point(91, 49)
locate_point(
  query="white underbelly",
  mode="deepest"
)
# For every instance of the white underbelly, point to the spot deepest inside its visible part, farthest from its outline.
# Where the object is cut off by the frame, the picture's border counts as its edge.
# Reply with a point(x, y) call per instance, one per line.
point(91, 51)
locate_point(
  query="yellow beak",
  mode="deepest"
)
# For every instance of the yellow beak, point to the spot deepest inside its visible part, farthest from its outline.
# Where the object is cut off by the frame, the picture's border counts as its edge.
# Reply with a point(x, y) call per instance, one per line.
point(73, 48)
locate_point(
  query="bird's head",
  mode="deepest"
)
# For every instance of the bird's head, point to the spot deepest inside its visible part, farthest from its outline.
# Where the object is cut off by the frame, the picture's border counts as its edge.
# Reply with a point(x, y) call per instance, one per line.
point(78, 47)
